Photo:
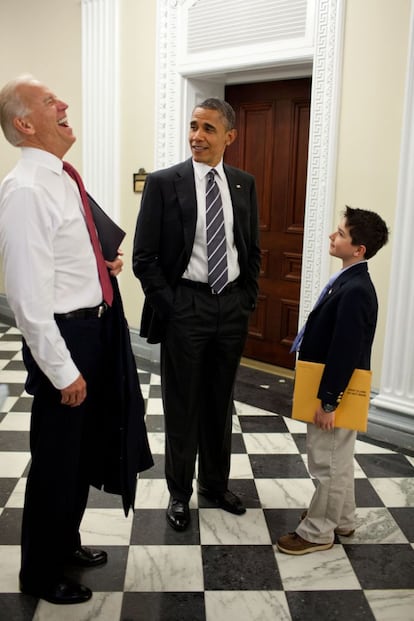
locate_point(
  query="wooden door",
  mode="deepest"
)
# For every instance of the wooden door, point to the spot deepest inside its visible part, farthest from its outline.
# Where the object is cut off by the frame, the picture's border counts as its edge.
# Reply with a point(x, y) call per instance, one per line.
point(272, 144)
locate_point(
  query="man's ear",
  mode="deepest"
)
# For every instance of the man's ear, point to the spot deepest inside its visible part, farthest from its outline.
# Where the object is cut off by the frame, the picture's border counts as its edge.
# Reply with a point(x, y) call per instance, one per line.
point(231, 137)
point(23, 125)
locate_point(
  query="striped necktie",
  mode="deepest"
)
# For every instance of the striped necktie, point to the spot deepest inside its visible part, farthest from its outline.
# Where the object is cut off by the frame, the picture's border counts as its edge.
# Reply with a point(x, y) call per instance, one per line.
point(216, 236)
point(104, 278)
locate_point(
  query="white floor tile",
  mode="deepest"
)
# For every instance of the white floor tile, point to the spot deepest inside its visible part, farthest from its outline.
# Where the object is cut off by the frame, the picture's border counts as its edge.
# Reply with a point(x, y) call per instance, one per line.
point(246, 606)
point(240, 467)
point(103, 527)
point(218, 527)
point(395, 492)
point(285, 493)
point(102, 607)
point(10, 566)
point(317, 571)
point(391, 605)
point(164, 568)
point(16, 421)
point(13, 463)
point(375, 525)
point(273, 443)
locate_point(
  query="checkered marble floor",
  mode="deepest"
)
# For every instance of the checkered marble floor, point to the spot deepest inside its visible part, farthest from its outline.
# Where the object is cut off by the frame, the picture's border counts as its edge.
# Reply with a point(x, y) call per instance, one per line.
point(225, 567)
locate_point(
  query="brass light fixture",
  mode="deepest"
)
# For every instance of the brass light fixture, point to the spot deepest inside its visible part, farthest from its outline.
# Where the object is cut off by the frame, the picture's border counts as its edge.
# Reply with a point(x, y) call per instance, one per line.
point(139, 180)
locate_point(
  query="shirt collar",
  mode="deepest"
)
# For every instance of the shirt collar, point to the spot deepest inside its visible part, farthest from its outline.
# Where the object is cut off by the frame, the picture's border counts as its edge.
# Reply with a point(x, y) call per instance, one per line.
point(201, 170)
point(43, 158)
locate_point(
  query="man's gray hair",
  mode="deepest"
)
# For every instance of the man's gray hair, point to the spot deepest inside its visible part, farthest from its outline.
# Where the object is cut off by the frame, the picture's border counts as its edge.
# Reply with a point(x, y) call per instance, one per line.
point(12, 105)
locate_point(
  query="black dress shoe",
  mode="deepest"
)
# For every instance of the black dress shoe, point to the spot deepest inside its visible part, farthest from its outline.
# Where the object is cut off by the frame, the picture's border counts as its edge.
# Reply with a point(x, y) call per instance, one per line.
point(64, 592)
point(88, 557)
point(224, 500)
point(178, 514)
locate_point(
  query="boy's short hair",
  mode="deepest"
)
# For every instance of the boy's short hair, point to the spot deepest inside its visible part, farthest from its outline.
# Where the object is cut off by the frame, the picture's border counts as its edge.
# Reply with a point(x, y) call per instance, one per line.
point(366, 228)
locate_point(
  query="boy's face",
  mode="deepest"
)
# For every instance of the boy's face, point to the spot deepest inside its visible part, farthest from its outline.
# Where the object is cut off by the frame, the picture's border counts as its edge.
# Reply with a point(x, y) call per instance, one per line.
point(341, 245)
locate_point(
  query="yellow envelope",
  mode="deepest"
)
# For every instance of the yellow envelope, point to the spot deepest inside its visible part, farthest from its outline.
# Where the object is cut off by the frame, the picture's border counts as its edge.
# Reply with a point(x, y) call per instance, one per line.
point(352, 411)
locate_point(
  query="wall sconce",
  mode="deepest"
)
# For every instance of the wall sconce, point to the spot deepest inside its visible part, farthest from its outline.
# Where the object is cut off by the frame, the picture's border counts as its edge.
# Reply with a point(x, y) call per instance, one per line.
point(139, 180)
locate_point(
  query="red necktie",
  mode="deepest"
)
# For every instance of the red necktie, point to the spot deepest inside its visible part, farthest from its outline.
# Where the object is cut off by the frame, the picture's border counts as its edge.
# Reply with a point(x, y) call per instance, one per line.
point(107, 291)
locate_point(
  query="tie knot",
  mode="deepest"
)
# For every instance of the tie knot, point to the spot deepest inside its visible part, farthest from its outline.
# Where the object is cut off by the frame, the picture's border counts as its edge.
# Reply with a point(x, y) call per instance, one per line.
point(72, 172)
point(68, 167)
point(211, 174)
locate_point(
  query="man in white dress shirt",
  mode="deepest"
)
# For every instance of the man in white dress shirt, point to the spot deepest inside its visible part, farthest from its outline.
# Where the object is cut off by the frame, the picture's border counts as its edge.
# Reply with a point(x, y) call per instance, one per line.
point(53, 288)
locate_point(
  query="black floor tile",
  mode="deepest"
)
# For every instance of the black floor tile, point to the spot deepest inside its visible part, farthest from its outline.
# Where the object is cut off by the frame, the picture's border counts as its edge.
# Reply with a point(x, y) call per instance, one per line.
point(17, 607)
point(163, 607)
point(281, 521)
point(385, 465)
point(239, 568)
point(150, 527)
point(389, 566)
point(365, 494)
point(24, 404)
point(14, 441)
point(6, 488)
point(108, 577)
point(404, 516)
point(332, 605)
point(263, 424)
point(273, 466)
point(10, 526)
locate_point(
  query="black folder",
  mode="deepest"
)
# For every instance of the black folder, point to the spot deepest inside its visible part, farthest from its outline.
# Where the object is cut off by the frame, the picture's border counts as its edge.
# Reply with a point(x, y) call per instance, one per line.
point(109, 233)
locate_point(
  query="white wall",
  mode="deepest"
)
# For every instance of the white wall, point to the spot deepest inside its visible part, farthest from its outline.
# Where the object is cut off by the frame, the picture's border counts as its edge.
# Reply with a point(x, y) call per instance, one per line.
point(137, 105)
point(42, 38)
point(374, 71)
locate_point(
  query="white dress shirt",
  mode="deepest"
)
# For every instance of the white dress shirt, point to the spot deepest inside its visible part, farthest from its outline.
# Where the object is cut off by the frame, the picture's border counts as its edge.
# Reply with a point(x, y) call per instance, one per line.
point(48, 261)
point(197, 266)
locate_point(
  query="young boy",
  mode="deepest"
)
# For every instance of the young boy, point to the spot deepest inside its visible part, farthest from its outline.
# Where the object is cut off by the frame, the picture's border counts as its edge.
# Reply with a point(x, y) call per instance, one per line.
point(339, 333)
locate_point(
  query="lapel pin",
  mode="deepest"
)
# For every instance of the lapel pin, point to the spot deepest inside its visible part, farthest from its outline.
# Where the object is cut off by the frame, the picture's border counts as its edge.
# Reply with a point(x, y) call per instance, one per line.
point(238, 186)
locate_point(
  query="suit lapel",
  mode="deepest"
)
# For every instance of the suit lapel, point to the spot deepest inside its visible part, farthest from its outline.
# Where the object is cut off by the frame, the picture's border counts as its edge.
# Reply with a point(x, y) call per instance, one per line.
point(352, 272)
point(187, 199)
point(237, 192)
point(235, 183)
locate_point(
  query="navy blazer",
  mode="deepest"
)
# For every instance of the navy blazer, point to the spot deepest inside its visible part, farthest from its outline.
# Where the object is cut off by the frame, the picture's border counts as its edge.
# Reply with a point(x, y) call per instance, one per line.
point(340, 331)
point(165, 234)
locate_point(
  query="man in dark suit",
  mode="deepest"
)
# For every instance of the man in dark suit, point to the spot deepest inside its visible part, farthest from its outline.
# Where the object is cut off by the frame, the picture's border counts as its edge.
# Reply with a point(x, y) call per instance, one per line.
point(201, 324)
point(338, 333)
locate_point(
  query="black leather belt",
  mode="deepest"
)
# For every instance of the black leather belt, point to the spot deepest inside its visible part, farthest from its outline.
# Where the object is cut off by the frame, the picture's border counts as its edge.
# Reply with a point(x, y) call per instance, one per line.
point(204, 286)
point(84, 313)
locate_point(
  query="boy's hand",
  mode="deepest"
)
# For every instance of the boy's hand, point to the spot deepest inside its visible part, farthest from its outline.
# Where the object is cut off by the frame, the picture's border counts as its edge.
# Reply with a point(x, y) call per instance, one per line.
point(324, 420)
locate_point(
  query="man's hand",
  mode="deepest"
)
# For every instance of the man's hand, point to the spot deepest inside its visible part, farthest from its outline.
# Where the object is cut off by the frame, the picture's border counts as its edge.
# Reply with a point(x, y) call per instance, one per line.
point(324, 420)
point(115, 266)
point(75, 393)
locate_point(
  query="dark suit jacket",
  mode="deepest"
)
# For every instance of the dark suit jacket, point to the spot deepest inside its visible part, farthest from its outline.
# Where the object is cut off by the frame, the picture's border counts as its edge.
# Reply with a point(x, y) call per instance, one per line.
point(126, 450)
point(340, 331)
point(165, 233)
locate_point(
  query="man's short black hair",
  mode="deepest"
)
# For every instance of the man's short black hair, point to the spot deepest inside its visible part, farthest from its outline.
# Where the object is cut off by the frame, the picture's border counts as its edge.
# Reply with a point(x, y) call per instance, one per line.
point(366, 228)
point(225, 109)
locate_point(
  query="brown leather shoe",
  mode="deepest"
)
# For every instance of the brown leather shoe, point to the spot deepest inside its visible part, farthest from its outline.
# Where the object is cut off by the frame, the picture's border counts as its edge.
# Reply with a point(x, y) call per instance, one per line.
point(294, 544)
